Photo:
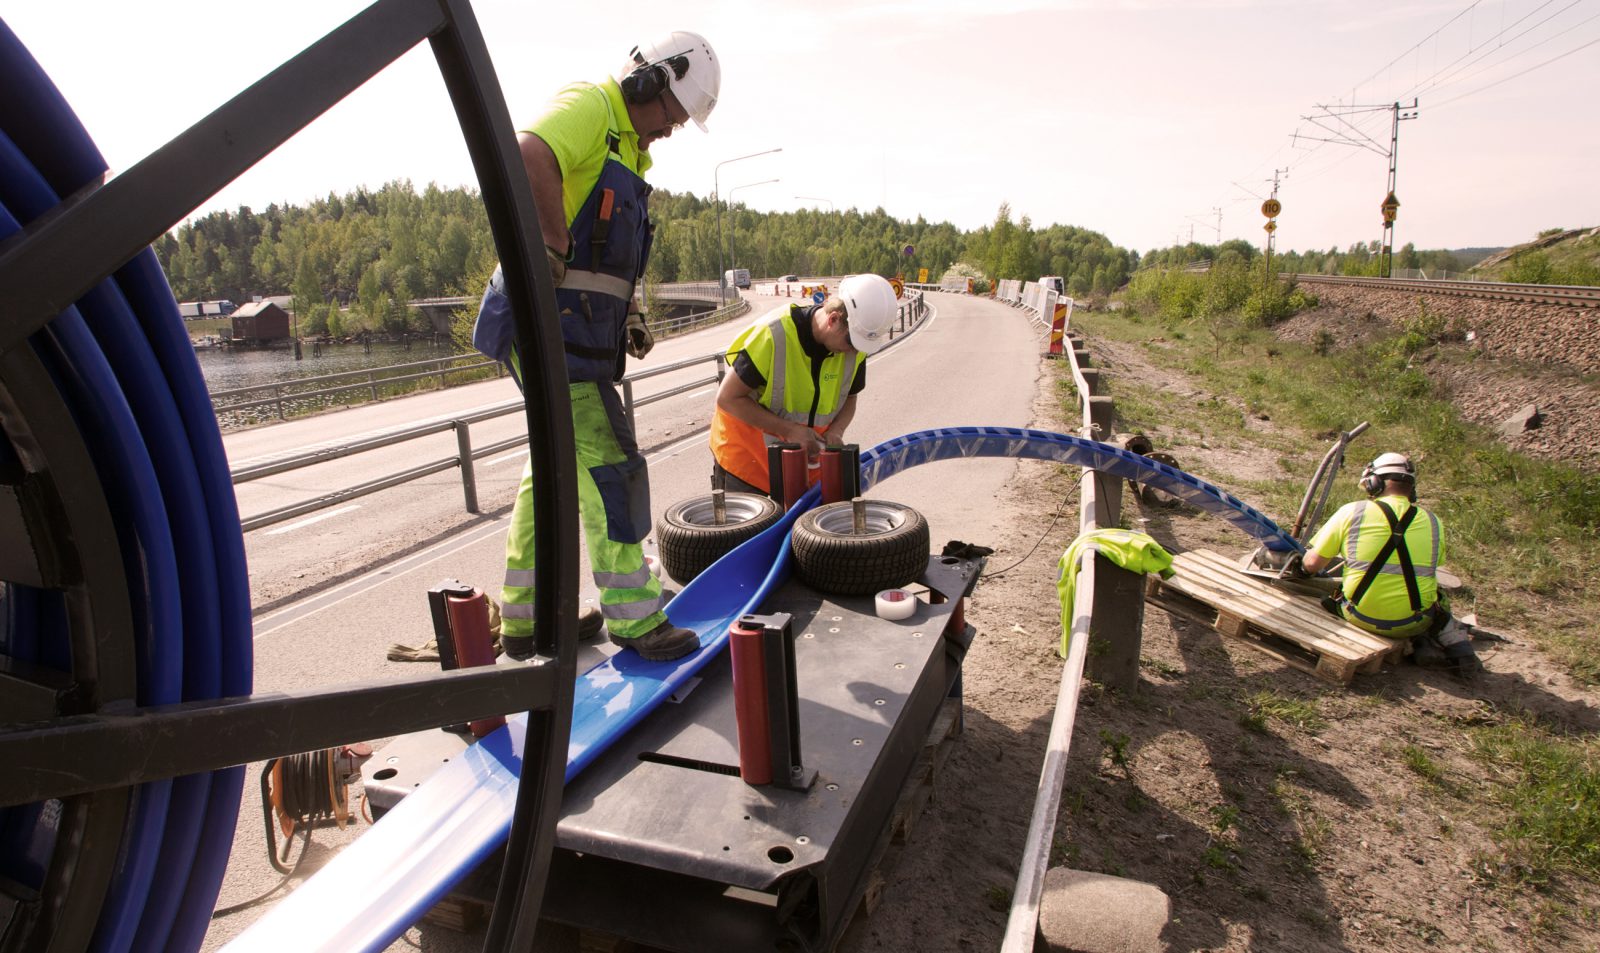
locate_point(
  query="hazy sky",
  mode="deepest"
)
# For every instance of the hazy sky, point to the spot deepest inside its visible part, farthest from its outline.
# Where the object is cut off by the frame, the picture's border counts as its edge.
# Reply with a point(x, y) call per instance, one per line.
point(1136, 118)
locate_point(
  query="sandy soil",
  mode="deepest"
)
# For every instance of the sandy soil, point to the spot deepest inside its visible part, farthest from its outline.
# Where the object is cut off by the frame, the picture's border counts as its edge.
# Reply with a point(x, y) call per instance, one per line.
point(1267, 835)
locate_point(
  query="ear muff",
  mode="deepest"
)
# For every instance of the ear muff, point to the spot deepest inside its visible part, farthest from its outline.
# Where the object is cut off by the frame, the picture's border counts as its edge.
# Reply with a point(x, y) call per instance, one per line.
point(645, 84)
point(1371, 482)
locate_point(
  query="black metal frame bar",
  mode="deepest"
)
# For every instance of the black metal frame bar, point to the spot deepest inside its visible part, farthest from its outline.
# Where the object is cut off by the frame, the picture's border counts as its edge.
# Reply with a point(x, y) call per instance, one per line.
point(59, 257)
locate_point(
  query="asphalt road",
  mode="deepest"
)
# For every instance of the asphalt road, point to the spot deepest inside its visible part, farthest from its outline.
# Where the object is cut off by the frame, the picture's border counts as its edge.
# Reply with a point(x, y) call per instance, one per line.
point(334, 589)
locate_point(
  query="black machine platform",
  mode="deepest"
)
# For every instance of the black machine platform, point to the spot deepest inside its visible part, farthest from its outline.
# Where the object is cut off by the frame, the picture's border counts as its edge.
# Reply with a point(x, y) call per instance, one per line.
point(661, 842)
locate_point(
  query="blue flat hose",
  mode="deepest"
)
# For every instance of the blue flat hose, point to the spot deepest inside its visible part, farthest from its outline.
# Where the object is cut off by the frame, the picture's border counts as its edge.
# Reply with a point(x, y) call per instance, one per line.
point(195, 599)
point(954, 443)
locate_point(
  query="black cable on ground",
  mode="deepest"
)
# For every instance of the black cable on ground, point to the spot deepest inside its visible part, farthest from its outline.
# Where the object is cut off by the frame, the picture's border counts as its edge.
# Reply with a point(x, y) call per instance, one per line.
point(1063, 505)
point(288, 876)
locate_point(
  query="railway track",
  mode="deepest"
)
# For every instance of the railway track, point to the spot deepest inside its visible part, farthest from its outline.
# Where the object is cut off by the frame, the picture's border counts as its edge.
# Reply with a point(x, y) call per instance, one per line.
point(1572, 296)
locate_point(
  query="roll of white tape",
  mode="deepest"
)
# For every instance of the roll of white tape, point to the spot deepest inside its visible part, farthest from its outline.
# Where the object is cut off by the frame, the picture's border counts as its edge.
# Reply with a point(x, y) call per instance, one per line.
point(896, 604)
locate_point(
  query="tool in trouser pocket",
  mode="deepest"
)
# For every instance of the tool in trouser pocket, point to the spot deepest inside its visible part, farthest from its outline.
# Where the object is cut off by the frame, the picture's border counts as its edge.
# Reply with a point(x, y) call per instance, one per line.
point(602, 224)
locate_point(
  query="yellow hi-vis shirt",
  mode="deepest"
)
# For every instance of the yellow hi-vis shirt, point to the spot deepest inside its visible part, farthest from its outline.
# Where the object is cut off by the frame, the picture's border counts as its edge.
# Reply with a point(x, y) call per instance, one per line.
point(574, 126)
point(1135, 552)
point(1357, 531)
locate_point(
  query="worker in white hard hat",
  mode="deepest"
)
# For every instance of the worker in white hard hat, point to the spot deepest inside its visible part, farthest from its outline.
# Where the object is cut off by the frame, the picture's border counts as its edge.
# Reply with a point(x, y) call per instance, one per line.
point(793, 377)
point(1392, 548)
point(586, 158)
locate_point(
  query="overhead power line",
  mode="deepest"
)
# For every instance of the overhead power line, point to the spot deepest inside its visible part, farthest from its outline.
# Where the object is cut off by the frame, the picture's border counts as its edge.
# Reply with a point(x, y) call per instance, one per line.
point(1522, 73)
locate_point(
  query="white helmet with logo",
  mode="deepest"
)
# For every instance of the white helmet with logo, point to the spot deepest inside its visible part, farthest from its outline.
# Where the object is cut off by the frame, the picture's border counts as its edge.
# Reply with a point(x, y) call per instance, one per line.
point(870, 307)
point(1387, 466)
point(693, 72)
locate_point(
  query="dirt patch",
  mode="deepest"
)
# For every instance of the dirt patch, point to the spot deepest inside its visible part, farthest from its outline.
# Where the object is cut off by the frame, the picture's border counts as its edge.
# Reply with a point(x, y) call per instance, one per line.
point(1333, 326)
point(1277, 812)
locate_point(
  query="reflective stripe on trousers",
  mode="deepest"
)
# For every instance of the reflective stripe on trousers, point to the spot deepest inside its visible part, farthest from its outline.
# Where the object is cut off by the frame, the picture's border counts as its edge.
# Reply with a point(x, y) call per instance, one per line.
point(630, 596)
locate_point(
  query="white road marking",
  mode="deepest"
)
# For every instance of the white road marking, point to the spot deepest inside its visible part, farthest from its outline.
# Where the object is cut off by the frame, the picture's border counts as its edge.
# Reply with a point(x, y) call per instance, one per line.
point(313, 519)
point(520, 454)
point(289, 615)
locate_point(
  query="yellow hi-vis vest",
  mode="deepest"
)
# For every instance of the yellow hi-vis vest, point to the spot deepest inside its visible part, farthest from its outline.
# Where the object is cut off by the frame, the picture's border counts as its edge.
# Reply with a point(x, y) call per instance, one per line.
point(773, 345)
point(1358, 531)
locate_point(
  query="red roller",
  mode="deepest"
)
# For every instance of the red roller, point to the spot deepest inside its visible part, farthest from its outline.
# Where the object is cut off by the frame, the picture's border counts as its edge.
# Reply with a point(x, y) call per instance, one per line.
point(794, 476)
point(750, 701)
point(469, 633)
point(832, 476)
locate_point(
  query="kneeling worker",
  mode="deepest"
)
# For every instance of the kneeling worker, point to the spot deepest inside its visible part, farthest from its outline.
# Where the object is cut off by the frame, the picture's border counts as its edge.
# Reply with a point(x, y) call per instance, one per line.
point(795, 374)
point(1392, 549)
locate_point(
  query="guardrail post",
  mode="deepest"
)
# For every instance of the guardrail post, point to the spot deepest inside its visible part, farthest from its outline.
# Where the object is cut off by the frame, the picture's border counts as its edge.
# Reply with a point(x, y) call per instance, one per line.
point(372, 384)
point(627, 403)
point(1116, 637)
point(469, 481)
point(277, 394)
point(1108, 488)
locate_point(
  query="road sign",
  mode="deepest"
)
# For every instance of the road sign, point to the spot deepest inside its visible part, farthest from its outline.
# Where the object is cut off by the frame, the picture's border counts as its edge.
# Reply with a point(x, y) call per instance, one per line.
point(818, 297)
point(922, 276)
point(1270, 208)
point(1390, 206)
point(910, 250)
point(1271, 226)
point(898, 286)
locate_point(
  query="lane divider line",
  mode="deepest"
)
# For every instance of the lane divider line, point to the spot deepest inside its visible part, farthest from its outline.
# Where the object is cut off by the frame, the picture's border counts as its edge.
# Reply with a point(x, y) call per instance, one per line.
point(300, 524)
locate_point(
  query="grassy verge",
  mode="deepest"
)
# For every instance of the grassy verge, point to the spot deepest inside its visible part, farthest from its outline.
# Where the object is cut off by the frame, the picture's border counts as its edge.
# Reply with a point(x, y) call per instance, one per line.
point(1522, 531)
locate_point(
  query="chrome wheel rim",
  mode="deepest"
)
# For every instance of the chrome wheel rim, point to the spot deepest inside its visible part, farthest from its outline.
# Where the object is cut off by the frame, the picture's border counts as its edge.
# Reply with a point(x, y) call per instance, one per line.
point(740, 509)
point(881, 518)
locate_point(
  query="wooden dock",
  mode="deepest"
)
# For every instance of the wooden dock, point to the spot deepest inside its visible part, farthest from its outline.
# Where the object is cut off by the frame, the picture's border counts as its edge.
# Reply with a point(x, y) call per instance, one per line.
point(1209, 588)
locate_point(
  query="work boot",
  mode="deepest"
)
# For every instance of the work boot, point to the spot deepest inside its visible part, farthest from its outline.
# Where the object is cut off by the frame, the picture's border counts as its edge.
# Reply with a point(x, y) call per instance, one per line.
point(663, 643)
point(1427, 652)
point(520, 648)
point(1463, 660)
point(1468, 668)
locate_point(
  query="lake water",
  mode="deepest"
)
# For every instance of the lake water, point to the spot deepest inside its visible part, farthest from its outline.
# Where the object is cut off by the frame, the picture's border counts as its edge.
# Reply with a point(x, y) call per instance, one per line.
point(228, 369)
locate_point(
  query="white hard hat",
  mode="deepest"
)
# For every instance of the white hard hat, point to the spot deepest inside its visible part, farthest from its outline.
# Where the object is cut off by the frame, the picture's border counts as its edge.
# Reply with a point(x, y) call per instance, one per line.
point(693, 72)
point(1393, 466)
point(870, 308)
point(1387, 466)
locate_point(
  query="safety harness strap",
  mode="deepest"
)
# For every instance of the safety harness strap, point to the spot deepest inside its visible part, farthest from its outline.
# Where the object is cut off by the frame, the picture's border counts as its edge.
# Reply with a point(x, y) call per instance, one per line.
point(1396, 543)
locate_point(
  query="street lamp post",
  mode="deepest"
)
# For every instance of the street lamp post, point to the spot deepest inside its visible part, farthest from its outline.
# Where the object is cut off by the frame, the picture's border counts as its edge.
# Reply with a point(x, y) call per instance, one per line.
point(833, 256)
point(716, 198)
point(734, 230)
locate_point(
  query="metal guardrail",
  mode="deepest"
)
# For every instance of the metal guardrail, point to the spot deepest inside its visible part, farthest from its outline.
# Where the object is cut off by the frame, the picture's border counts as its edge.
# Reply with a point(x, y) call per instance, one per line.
point(282, 395)
point(1100, 504)
point(1574, 296)
point(912, 311)
point(281, 392)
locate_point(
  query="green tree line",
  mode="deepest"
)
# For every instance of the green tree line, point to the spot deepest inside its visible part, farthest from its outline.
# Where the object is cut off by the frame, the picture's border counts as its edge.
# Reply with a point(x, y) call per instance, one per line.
point(1362, 259)
point(370, 251)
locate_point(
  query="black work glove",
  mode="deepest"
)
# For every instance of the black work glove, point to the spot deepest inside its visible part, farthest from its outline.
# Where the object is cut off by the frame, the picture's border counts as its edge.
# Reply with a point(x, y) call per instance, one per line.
point(961, 550)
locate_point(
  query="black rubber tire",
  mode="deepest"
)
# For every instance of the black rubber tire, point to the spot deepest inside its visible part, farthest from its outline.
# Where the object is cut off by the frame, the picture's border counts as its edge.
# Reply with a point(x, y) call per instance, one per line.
point(689, 540)
point(830, 558)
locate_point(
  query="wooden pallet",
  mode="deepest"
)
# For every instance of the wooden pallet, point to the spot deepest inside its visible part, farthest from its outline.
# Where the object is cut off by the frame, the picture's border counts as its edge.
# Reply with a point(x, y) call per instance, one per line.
point(1295, 629)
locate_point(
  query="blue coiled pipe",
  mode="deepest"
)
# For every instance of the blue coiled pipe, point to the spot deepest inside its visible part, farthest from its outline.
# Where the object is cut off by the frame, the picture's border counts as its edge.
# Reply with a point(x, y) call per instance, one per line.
point(125, 368)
